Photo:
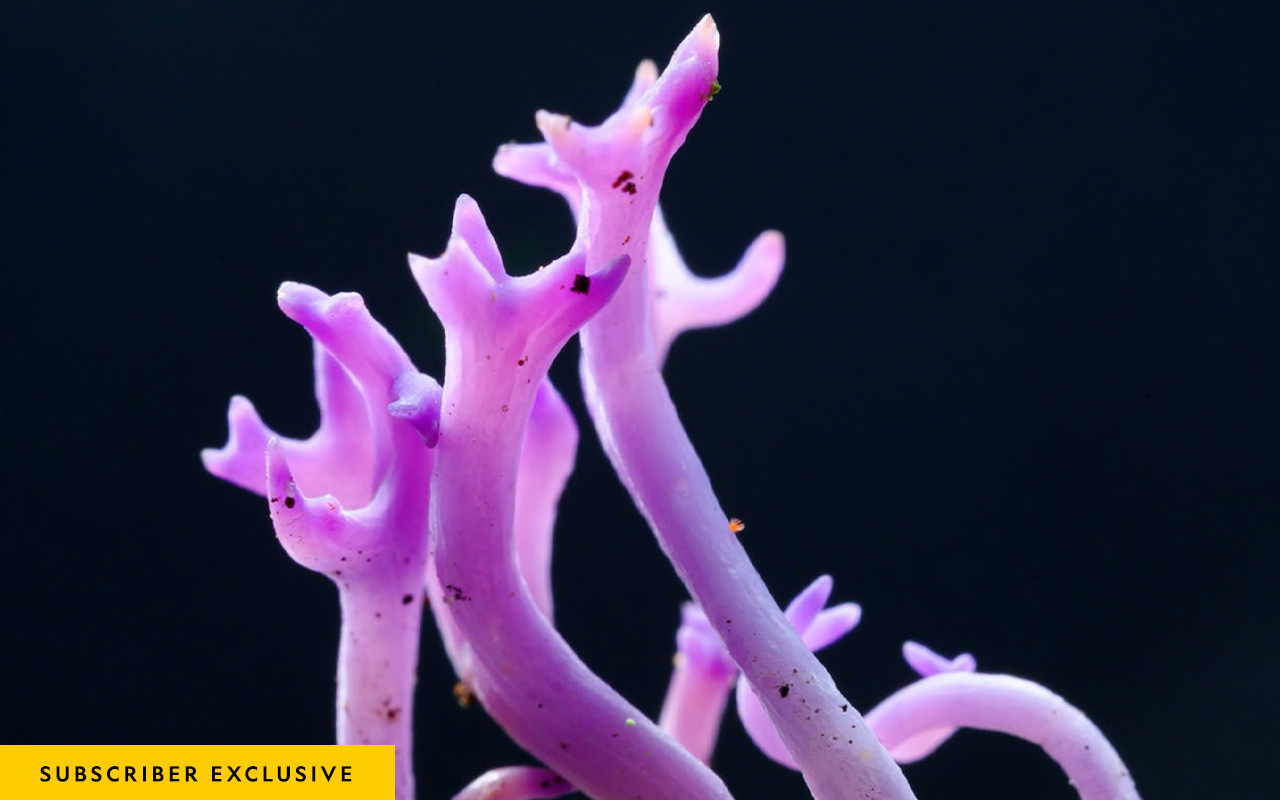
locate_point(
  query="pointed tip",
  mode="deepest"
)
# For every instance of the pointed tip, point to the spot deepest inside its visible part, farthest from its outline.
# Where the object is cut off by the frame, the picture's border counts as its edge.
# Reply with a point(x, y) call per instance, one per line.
point(472, 230)
point(645, 76)
point(293, 297)
point(423, 270)
point(277, 463)
point(701, 45)
point(926, 661)
point(239, 461)
point(705, 35)
point(421, 267)
point(288, 289)
point(283, 494)
point(611, 275)
point(466, 216)
point(465, 205)
point(819, 590)
point(646, 73)
point(771, 244)
point(804, 607)
point(551, 125)
point(503, 156)
point(210, 458)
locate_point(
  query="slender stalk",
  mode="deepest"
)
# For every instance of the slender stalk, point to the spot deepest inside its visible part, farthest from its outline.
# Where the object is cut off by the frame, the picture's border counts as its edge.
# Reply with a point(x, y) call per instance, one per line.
point(694, 705)
point(1009, 705)
point(831, 743)
point(378, 665)
point(376, 553)
point(619, 167)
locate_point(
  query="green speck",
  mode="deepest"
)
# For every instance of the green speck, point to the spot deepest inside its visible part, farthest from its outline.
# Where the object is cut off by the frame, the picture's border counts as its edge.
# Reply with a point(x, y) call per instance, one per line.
point(715, 88)
point(631, 723)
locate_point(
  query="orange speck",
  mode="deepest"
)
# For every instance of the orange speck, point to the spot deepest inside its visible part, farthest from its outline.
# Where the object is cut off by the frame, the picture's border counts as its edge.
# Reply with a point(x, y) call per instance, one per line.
point(462, 693)
point(736, 525)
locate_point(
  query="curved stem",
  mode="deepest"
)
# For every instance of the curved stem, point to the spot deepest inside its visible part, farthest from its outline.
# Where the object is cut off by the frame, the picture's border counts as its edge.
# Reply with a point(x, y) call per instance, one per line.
point(1009, 705)
point(516, 783)
point(832, 745)
point(527, 677)
point(501, 335)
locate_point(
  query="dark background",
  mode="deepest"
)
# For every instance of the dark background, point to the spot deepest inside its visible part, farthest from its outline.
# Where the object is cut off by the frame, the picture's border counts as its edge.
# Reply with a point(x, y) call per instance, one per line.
point(1016, 390)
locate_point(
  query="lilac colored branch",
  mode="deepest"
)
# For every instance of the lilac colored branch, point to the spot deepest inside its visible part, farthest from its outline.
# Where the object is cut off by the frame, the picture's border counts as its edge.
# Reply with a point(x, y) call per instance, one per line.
point(620, 166)
point(694, 707)
point(704, 673)
point(927, 663)
point(682, 301)
point(546, 460)
point(377, 413)
point(828, 739)
point(501, 334)
point(818, 627)
point(701, 680)
point(1009, 705)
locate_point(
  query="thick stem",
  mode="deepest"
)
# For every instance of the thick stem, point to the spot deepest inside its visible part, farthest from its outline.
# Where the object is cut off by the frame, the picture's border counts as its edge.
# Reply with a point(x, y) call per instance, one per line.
point(527, 677)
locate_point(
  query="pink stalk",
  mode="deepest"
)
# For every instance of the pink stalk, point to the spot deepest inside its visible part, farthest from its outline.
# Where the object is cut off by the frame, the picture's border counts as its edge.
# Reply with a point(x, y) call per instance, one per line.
point(1009, 705)
point(620, 167)
point(379, 415)
point(501, 334)
point(701, 680)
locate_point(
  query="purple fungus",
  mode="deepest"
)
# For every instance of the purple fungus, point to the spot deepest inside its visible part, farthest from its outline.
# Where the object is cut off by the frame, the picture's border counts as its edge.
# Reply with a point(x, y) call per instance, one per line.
point(637, 423)
point(350, 504)
point(575, 723)
point(412, 487)
point(949, 700)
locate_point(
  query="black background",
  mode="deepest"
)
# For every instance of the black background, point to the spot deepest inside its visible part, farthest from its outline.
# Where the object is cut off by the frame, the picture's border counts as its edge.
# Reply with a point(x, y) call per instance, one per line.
point(1015, 391)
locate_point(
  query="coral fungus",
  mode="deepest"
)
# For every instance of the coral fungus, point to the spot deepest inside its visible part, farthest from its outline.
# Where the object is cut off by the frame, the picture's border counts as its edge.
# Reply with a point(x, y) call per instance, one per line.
point(413, 489)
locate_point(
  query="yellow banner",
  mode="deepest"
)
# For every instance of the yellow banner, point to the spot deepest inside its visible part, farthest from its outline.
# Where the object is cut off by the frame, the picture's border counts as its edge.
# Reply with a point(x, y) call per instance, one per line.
point(205, 771)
